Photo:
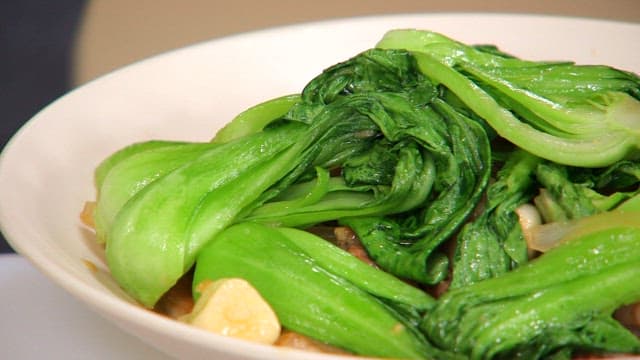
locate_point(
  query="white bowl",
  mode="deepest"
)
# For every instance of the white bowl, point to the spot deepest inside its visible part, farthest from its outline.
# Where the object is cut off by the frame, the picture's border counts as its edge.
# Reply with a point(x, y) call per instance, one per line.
point(46, 170)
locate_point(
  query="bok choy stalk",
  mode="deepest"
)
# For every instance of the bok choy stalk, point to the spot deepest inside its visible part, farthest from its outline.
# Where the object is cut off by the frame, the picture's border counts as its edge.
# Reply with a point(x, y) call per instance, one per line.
point(557, 303)
point(154, 236)
point(131, 169)
point(322, 291)
point(581, 115)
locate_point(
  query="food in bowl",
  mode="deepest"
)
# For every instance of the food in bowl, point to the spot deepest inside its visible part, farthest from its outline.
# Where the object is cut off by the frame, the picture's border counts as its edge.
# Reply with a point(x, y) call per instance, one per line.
point(493, 199)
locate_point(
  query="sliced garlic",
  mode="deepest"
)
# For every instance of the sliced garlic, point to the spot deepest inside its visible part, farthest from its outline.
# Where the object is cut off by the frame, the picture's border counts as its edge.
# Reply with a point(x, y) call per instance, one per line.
point(232, 307)
point(529, 218)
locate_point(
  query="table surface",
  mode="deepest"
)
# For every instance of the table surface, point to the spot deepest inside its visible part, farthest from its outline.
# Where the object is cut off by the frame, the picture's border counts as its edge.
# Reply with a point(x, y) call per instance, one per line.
point(40, 320)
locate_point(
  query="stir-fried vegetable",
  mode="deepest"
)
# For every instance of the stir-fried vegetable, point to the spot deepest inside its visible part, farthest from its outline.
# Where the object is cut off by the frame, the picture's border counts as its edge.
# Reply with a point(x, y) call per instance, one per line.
point(395, 142)
point(320, 291)
point(563, 299)
point(571, 114)
point(426, 148)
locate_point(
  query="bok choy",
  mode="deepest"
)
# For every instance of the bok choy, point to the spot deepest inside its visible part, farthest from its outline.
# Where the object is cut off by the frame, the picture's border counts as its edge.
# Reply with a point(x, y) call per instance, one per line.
point(582, 115)
point(425, 147)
